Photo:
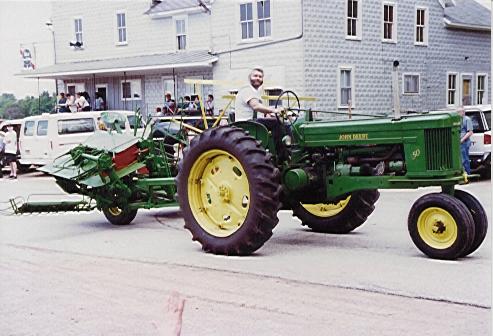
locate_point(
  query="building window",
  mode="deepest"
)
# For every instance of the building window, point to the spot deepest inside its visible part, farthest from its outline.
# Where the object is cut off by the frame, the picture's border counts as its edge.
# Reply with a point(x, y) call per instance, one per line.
point(263, 14)
point(246, 21)
point(353, 19)
point(131, 89)
point(121, 27)
point(181, 34)
point(345, 90)
point(451, 89)
point(421, 29)
point(481, 89)
point(78, 30)
point(389, 23)
point(275, 92)
point(411, 84)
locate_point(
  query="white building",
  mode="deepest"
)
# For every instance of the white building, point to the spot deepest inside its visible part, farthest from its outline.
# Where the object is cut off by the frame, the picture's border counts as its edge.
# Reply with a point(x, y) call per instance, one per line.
point(339, 51)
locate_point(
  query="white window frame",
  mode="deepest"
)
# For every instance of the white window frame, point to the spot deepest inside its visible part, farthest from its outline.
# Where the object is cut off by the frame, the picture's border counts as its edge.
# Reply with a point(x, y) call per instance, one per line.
point(353, 85)
point(268, 91)
point(254, 10)
point(192, 89)
point(79, 86)
point(185, 19)
point(485, 89)
point(404, 93)
point(269, 18)
point(81, 32)
point(394, 22)
point(166, 79)
point(425, 26)
point(117, 29)
point(456, 90)
point(359, 20)
point(135, 87)
point(471, 76)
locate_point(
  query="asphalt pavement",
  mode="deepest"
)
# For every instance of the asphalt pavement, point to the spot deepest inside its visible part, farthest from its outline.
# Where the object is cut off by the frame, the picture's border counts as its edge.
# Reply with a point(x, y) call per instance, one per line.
point(76, 274)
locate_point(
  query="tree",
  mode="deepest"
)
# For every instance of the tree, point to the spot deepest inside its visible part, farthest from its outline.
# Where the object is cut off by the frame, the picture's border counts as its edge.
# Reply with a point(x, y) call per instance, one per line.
point(13, 112)
point(11, 108)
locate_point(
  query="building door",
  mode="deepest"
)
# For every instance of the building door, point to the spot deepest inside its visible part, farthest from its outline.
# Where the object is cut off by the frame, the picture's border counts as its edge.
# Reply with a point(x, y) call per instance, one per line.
point(466, 90)
point(102, 91)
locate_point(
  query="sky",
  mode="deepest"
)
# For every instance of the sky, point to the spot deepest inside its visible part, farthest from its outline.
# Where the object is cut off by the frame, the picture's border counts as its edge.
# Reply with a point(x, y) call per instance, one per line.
point(23, 21)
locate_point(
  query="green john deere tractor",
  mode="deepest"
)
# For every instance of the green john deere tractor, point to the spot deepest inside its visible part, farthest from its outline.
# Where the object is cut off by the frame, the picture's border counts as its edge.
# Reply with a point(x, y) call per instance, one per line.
point(233, 180)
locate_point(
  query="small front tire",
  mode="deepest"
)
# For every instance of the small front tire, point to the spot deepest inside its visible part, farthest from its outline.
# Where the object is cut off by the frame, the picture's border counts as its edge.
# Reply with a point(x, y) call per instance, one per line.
point(117, 216)
point(441, 226)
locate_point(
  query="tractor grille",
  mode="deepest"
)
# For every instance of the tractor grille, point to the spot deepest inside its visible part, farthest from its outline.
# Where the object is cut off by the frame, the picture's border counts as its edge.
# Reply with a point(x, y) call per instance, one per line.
point(438, 146)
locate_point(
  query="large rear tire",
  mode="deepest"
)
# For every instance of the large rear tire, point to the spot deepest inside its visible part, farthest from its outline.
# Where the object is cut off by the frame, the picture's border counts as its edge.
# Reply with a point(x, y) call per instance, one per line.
point(341, 217)
point(479, 217)
point(228, 191)
point(117, 216)
point(441, 226)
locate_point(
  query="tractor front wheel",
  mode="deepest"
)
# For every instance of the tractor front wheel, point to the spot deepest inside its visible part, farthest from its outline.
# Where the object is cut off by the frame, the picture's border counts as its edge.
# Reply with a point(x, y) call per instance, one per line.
point(228, 191)
point(117, 216)
point(441, 226)
point(339, 217)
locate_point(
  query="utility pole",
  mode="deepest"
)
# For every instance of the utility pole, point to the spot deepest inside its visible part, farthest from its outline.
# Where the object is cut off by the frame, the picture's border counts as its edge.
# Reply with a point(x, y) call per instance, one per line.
point(49, 24)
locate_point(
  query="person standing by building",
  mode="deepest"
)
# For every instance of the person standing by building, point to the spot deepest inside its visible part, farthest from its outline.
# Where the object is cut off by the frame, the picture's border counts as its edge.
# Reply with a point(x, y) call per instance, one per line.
point(2, 148)
point(99, 102)
point(71, 103)
point(62, 104)
point(169, 104)
point(465, 139)
point(209, 105)
point(11, 150)
point(82, 103)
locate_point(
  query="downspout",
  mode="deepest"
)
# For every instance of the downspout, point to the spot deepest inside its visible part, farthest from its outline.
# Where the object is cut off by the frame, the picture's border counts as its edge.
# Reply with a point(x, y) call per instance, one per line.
point(121, 88)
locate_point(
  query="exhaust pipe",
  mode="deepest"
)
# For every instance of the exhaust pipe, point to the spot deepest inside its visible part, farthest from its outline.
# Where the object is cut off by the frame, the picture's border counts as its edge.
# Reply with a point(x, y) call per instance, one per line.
point(395, 90)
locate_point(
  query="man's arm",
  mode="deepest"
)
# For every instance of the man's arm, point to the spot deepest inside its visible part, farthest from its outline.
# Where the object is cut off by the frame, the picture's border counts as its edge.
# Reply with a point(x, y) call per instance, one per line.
point(469, 131)
point(259, 107)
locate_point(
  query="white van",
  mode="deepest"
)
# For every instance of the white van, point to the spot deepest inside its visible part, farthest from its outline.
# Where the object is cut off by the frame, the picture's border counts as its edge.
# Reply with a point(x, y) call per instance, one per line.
point(47, 136)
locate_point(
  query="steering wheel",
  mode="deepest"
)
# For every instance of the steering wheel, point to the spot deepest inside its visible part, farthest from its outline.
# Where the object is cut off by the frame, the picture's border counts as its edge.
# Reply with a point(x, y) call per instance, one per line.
point(293, 106)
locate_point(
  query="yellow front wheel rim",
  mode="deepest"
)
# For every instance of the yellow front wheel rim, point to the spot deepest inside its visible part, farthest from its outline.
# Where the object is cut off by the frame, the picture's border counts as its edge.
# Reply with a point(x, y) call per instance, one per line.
point(437, 228)
point(115, 211)
point(218, 192)
point(326, 210)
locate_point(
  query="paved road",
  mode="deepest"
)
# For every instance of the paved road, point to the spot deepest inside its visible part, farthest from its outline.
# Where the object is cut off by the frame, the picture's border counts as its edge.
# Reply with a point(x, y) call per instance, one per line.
point(75, 274)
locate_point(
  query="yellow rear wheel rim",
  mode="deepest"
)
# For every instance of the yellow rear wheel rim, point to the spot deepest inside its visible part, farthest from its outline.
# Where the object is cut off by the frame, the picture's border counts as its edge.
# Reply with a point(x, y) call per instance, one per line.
point(115, 211)
point(218, 193)
point(437, 228)
point(326, 210)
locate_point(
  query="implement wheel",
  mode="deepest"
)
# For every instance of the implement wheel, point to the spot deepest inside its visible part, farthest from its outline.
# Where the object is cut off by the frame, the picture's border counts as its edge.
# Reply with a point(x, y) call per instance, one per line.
point(340, 217)
point(479, 217)
point(441, 226)
point(228, 191)
point(117, 216)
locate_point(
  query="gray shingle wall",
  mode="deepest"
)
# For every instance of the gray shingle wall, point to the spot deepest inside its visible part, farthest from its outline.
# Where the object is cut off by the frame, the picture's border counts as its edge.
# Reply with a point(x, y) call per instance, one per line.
point(145, 36)
point(326, 48)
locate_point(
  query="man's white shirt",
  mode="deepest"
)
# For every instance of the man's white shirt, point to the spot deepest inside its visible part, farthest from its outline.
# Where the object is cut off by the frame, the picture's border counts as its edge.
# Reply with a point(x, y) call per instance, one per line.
point(10, 141)
point(243, 111)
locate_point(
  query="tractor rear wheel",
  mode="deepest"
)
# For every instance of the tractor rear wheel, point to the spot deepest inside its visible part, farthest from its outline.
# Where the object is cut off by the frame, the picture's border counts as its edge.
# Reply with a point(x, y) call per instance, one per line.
point(441, 226)
point(479, 217)
point(340, 217)
point(228, 191)
point(117, 216)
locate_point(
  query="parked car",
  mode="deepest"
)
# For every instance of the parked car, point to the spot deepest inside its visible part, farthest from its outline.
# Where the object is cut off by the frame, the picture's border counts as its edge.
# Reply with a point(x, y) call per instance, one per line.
point(45, 137)
point(480, 151)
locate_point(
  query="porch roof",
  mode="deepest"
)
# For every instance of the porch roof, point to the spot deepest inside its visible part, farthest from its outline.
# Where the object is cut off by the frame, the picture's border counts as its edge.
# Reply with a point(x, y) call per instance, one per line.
point(129, 65)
